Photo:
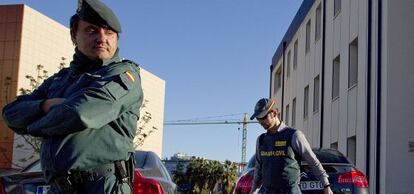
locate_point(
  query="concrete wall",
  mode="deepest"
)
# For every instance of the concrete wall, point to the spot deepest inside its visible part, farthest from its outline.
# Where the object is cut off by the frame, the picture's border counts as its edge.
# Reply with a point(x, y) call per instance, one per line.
point(398, 104)
point(154, 95)
point(345, 117)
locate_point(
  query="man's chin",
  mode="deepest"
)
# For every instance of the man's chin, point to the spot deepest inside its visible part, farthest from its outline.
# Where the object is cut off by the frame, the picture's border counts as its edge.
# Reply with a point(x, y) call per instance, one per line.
point(268, 127)
point(100, 57)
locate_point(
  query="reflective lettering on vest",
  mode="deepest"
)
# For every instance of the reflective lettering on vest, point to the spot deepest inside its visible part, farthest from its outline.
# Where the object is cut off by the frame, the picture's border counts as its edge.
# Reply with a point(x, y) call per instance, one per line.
point(280, 143)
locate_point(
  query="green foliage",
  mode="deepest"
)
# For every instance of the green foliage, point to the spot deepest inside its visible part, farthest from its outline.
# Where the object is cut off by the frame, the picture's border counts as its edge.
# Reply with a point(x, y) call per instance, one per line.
point(206, 176)
point(34, 82)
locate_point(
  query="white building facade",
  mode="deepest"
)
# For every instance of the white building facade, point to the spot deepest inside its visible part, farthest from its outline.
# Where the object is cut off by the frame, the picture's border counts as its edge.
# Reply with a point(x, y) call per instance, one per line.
point(342, 74)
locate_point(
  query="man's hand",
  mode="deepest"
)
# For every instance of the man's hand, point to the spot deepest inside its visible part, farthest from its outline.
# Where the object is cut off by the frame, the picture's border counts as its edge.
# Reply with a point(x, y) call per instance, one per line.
point(327, 190)
point(47, 104)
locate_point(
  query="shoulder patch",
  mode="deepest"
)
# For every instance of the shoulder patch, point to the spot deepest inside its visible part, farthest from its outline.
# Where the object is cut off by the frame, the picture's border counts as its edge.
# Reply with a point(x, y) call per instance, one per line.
point(130, 76)
point(128, 79)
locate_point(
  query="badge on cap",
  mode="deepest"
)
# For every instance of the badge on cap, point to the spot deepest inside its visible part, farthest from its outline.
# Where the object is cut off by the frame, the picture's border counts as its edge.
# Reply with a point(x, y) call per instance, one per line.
point(80, 2)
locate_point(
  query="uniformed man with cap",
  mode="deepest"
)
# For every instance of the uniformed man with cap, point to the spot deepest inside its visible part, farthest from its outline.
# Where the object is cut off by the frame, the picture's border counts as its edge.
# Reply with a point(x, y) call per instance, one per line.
point(87, 113)
point(278, 154)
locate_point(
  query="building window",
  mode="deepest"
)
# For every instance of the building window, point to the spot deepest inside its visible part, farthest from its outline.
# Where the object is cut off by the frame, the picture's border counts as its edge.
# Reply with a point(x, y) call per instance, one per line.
point(306, 102)
point(308, 32)
point(288, 64)
point(353, 63)
point(318, 22)
point(295, 55)
point(337, 7)
point(335, 77)
point(334, 145)
point(316, 94)
point(277, 80)
point(287, 115)
point(351, 149)
point(294, 112)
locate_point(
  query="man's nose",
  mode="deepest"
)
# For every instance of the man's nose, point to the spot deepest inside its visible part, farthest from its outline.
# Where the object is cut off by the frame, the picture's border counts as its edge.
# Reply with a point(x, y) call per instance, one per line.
point(101, 35)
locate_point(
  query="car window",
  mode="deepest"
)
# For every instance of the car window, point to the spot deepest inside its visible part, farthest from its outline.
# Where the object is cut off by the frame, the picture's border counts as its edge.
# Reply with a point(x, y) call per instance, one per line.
point(165, 171)
point(34, 167)
point(150, 165)
point(251, 162)
point(331, 156)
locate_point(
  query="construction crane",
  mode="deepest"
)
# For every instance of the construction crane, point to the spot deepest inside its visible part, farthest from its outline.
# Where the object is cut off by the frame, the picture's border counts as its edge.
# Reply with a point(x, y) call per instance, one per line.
point(244, 122)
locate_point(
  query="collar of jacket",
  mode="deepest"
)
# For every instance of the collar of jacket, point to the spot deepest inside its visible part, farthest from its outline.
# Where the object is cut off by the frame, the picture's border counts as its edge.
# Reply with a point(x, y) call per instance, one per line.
point(281, 128)
point(81, 63)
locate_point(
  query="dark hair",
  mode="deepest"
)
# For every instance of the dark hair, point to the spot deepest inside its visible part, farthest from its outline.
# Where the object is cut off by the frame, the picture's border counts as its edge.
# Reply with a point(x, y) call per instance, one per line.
point(73, 25)
point(74, 20)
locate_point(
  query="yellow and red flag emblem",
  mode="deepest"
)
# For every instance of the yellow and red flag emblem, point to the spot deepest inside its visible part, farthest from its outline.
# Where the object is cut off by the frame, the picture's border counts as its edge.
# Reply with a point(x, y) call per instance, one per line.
point(130, 76)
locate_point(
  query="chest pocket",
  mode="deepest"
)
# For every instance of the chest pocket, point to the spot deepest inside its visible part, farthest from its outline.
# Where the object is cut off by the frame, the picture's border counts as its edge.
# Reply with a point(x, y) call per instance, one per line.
point(83, 81)
point(119, 87)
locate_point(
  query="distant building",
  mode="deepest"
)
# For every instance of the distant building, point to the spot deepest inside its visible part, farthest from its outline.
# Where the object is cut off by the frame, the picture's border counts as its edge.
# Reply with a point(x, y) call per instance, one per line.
point(29, 38)
point(343, 74)
point(183, 159)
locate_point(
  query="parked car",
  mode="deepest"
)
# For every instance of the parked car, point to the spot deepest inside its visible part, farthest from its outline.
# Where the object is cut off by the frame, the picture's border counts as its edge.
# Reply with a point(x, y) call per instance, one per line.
point(151, 174)
point(150, 177)
point(343, 175)
point(6, 171)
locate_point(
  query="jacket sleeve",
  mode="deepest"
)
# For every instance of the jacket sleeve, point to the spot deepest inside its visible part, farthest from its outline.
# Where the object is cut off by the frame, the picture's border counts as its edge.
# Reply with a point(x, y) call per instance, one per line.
point(257, 179)
point(26, 108)
point(103, 101)
point(301, 145)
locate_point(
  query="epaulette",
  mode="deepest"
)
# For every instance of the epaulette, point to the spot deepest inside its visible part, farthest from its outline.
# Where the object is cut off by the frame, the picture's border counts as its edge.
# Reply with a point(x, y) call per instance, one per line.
point(129, 61)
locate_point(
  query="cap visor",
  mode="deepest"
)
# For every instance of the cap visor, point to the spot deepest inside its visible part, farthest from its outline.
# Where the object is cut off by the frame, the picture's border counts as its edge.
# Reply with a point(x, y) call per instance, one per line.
point(253, 116)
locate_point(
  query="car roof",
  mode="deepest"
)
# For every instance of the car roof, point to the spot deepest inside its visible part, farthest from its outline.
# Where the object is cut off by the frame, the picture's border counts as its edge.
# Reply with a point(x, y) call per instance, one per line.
point(149, 164)
point(324, 155)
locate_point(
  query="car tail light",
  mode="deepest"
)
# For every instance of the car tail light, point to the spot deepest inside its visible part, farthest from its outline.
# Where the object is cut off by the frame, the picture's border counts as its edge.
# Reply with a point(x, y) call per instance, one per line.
point(244, 185)
point(354, 177)
point(144, 185)
point(1, 188)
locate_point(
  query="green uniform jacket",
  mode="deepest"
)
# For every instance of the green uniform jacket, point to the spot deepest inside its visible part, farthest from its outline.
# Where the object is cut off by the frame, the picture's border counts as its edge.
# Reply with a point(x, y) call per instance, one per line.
point(95, 125)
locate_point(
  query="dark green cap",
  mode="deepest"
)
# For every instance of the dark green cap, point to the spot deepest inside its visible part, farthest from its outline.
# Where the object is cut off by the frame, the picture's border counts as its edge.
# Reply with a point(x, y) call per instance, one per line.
point(263, 106)
point(95, 12)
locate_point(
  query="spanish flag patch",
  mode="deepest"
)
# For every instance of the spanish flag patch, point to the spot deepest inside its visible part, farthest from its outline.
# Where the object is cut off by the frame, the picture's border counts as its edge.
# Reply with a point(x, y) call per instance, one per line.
point(130, 76)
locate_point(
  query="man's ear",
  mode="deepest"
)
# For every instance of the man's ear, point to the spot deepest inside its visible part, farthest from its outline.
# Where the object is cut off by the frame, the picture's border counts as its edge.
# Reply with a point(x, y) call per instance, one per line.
point(73, 37)
point(276, 113)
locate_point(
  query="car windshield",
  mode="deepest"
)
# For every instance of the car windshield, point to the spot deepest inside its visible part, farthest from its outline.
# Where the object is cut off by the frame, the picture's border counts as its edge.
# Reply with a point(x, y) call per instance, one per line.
point(34, 167)
point(331, 156)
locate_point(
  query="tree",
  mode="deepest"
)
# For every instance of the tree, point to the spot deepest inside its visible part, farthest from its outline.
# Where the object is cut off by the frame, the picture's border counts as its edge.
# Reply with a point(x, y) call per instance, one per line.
point(144, 127)
point(29, 142)
point(206, 176)
point(34, 82)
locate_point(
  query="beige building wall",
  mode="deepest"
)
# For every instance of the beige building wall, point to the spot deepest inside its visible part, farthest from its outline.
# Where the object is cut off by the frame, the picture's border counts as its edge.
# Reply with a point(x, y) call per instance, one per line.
point(43, 42)
point(154, 94)
point(29, 38)
point(10, 40)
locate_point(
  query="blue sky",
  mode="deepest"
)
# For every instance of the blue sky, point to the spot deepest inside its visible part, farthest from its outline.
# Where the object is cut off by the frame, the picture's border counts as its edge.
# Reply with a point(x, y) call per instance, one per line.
point(213, 54)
